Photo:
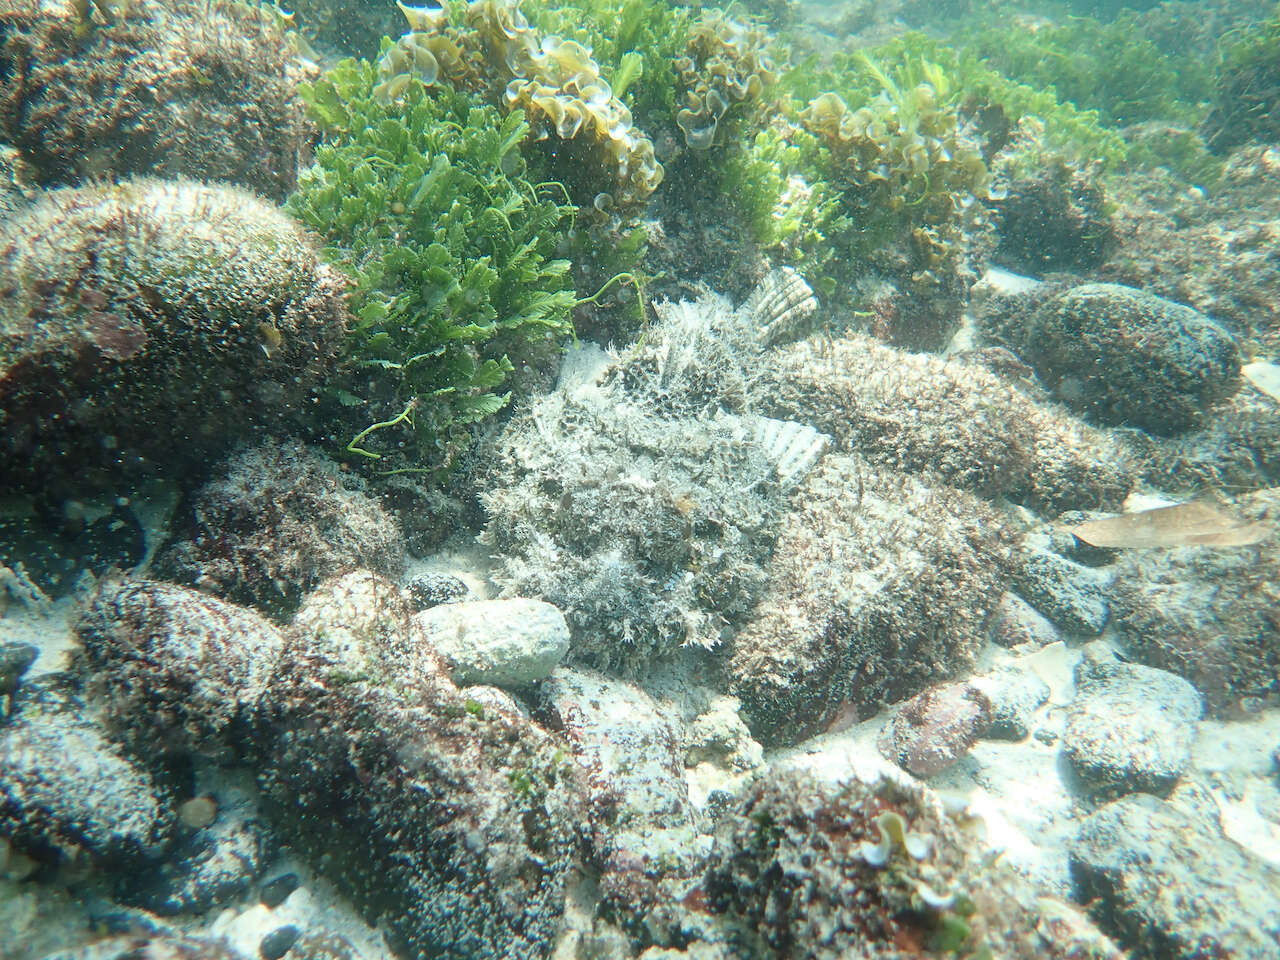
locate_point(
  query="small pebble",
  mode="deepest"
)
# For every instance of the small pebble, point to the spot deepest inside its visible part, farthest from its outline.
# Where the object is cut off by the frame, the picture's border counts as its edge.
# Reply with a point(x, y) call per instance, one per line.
point(276, 891)
point(198, 812)
point(277, 943)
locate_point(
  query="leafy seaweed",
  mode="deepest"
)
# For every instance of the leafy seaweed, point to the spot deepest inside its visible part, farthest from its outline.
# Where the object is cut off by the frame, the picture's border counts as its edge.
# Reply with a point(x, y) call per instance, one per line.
point(425, 203)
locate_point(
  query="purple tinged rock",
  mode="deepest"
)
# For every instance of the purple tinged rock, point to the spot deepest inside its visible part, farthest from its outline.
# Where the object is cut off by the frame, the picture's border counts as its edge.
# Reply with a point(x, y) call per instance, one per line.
point(181, 670)
point(934, 729)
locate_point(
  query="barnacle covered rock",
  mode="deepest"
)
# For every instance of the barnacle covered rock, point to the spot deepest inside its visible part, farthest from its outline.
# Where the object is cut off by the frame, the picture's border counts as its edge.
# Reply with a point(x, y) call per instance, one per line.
point(727, 66)
point(281, 519)
point(173, 88)
point(145, 324)
point(182, 672)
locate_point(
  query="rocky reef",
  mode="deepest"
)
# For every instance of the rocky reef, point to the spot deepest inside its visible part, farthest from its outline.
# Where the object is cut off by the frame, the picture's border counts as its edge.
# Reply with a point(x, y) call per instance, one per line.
point(146, 324)
point(165, 88)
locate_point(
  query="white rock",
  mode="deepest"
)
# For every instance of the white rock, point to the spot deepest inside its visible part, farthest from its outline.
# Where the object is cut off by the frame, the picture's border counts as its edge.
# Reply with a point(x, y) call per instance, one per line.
point(506, 643)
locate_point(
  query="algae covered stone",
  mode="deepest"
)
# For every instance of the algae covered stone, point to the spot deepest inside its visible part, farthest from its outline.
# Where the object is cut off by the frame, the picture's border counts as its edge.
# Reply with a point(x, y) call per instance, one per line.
point(146, 323)
point(182, 671)
point(1123, 356)
point(173, 88)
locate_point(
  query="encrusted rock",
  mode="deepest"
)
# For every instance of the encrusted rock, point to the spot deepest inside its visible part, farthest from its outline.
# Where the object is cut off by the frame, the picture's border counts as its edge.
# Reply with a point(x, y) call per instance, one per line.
point(950, 420)
point(64, 787)
point(934, 729)
point(432, 589)
point(1209, 615)
point(829, 872)
point(507, 643)
point(1123, 356)
point(1167, 883)
point(1054, 219)
point(634, 747)
point(1130, 727)
point(280, 520)
point(145, 325)
point(216, 864)
point(182, 671)
point(878, 585)
point(473, 814)
point(15, 658)
point(718, 736)
point(183, 88)
point(1072, 595)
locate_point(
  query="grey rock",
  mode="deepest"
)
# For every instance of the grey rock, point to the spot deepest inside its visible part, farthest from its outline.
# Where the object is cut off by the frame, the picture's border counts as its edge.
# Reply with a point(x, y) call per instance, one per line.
point(637, 750)
point(277, 890)
point(1015, 622)
point(1124, 356)
point(432, 589)
point(1207, 614)
point(1168, 884)
point(1072, 595)
point(506, 643)
point(1130, 727)
point(278, 942)
point(64, 786)
point(15, 658)
point(1012, 696)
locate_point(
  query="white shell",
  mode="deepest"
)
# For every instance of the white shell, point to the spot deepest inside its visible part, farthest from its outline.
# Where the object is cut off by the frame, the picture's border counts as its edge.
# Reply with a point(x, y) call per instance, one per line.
point(780, 305)
point(793, 448)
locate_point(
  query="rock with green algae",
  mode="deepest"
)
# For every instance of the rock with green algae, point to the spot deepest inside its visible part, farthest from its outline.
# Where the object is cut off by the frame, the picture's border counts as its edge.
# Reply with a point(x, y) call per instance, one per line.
point(876, 871)
point(471, 818)
point(162, 87)
point(144, 325)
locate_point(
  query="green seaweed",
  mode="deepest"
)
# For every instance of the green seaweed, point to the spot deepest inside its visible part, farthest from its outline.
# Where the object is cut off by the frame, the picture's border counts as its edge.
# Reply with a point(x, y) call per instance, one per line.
point(1108, 67)
point(426, 204)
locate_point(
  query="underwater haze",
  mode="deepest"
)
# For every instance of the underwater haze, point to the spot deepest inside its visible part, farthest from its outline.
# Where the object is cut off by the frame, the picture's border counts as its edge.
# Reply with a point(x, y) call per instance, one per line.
point(631, 480)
